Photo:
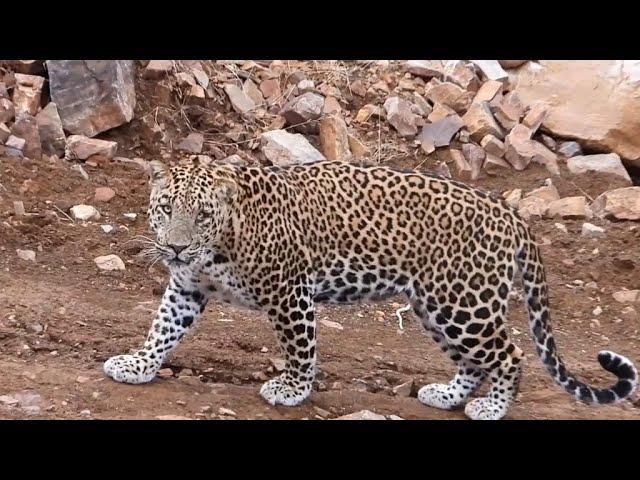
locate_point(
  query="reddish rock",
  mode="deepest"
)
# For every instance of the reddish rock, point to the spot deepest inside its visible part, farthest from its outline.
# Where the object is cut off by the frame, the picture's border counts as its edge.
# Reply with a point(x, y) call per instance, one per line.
point(494, 165)
point(480, 122)
point(488, 91)
point(27, 93)
point(449, 94)
point(535, 117)
point(81, 147)
point(7, 111)
point(52, 135)
point(493, 146)
point(104, 194)
point(475, 157)
point(156, 69)
point(270, 88)
point(425, 68)
point(439, 112)
point(26, 127)
point(334, 139)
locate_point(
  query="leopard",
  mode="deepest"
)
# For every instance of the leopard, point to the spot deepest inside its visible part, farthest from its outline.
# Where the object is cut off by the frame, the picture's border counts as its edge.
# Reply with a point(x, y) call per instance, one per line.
point(282, 239)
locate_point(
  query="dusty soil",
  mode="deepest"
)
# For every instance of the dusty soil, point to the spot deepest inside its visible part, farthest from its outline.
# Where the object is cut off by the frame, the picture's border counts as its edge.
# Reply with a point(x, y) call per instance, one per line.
point(61, 317)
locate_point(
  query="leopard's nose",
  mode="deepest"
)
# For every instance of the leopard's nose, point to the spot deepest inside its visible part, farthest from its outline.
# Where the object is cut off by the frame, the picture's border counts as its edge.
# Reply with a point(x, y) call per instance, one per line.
point(178, 248)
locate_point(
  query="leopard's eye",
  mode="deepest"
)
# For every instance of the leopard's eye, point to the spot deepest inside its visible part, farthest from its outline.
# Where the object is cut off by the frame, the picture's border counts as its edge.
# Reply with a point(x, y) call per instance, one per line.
point(166, 209)
point(201, 217)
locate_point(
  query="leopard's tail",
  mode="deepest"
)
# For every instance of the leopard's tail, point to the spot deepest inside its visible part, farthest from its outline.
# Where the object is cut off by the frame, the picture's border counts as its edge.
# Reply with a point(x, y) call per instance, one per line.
point(535, 289)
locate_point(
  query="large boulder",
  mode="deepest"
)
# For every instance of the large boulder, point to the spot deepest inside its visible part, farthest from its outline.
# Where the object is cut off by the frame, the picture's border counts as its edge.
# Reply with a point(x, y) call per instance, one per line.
point(92, 96)
point(594, 101)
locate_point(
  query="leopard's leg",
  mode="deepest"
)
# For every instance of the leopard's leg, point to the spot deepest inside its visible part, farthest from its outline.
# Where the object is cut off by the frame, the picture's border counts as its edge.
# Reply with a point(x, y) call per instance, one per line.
point(182, 305)
point(294, 322)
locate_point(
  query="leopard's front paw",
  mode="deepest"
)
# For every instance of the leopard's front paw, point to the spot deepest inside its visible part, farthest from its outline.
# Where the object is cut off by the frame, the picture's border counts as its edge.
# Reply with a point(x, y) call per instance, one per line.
point(278, 392)
point(129, 369)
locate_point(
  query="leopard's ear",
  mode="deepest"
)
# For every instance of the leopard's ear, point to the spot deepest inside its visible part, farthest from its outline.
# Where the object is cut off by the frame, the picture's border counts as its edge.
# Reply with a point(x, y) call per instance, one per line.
point(157, 171)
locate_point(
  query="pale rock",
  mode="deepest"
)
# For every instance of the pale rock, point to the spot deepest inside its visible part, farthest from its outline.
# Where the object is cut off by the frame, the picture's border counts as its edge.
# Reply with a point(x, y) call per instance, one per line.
point(475, 157)
point(28, 255)
point(334, 139)
point(7, 110)
point(270, 88)
point(425, 107)
point(171, 417)
point(493, 145)
point(404, 390)
point(521, 150)
point(197, 95)
point(226, 411)
point(109, 262)
point(192, 143)
point(548, 142)
point(461, 166)
point(513, 197)
point(85, 212)
point(480, 122)
point(512, 63)
point(449, 94)
point(401, 116)
point(92, 96)
point(201, 77)
point(5, 133)
point(569, 207)
point(535, 203)
point(440, 112)
point(368, 111)
point(627, 296)
point(462, 73)
point(442, 131)
point(284, 148)
point(427, 146)
point(80, 147)
point(130, 216)
point(602, 163)
point(358, 88)
point(629, 314)
point(331, 106)
point(156, 69)
point(305, 108)
point(278, 363)
point(27, 93)
point(185, 79)
point(52, 137)
point(507, 110)
point(362, 415)
point(536, 116)
point(240, 101)
point(358, 149)
point(18, 208)
point(425, 68)
point(569, 149)
point(107, 228)
point(561, 227)
point(16, 143)
point(306, 85)
point(496, 166)
point(492, 70)
point(441, 168)
point(104, 194)
point(252, 91)
point(330, 324)
point(597, 311)
point(26, 127)
point(622, 204)
point(488, 91)
point(591, 231)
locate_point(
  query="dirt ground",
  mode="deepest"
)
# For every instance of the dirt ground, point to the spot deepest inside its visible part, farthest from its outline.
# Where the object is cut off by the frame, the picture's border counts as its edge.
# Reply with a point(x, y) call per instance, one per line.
point(61, 317)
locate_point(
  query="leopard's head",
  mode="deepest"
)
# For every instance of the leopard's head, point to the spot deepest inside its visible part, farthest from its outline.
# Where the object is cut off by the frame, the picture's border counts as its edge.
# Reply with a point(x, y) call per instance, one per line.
point(189, 209)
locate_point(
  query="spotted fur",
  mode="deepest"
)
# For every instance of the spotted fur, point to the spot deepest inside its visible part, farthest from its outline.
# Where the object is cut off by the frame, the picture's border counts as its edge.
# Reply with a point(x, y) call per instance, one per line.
point(283, 239)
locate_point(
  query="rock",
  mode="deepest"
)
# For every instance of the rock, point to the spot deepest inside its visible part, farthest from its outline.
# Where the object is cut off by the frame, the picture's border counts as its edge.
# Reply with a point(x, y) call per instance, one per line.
point(358, 149)
point(16, 143)
point(492, 70)
point(513, 197)
point(488, 91)
point(495, 166)
point(165, 373)
point(270, 88)
point(493, 146)
point(592, 231)
point(331, 105)
point(425, 68)
point(330, 324)
point(201, 77)
point(26, 127)
point(156, 69)
point(603, 163)
point(597, 311)
point(569, 149)
point(475, 157)
point(29, 67)
point(362, 415)
point(104, 194)
point(621, 204)
point(548, 142)
point(305, 108)
point(52, 136)
point(28, 255)
point(252, 91)
point(594, 101)
point(440, 112)
point(441, 168)
point(629, 314)
point(512, 63)
point(427, 146)
point(92, 96)
point(7, 111)
point(449, 94)
point(535, 117)
point(80, 147)
point(85, 212)
point(107, 228)
point(358, 88)
point(460, 165)
point(480, 122)
point(535, 203)
point(334, 139)
point(521, 150)
point(401, 116)
point(463, 74)
point(131, 217)
point(27, 93)
point(507, 110)
point(5, 133)
point(404, 390)
point(284, 148)
point(278, 363)
point(441, 132)
point(569, 207)
point(548, 193)
point(197, 95)
point(193, 143)
point(171, 417)
point(422, 104)
point(18, 208)
point(226, 411)
point(368, 111)
point(240, 101)
point(627, 296)
point(109, 262)
point(561, 227)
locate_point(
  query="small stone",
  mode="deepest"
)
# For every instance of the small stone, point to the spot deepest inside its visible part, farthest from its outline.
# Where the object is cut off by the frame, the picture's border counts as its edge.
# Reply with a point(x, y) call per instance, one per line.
point(358, 149)
point(513, 197)
point(226, 411)
point(171, 417)
point(521, 150)
point(492, 70)
point(26, 127)
point(330, 324)
point(461, 166)
point(425, 68)
point(95, 395)
point(303, 109)
point(182, 403)
point(331, 105)
point(264, 350)
point(109, 262)
point(5, 133)
point(7, 110)
point(196, 95)
point(480, 122)
point(50, 129)
point(165, 373)
point(420, 102)
point(627, 296)
point(18, 208)
point(278, 363)
point(622, 204)
point(80, 147)
point(323, 413)
point(594, 323)
point(270, 88)
point(441, 132)
point(569, 149)
point(475, 157)
point(597, 311)
point(85, 413)
point(260, 376)
point(201, 77)
point(81, 379)
point(548, 142)
point(592, 231)
point(240, 101)
point(368, 111)
point(488, 91)
point(404, 389)
point(156, 69)
point(16, 143)
point(85, 212)
point(334, 139)
point(104, 194)
point(496, 166)
point(493, 145)
point(561, 227)
point(26, 93)
point(362, 415)
point(192, 143)
point(536, 116)
point(507, 110)
point(252, 91)
point(284, 148)
point(131, 217)
point(440, 112)
point(449, 94)
point(629, 313)
point(306, 85)
point(401, 116)
point(602, 163)
point(569, 207)
point(28, 255)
